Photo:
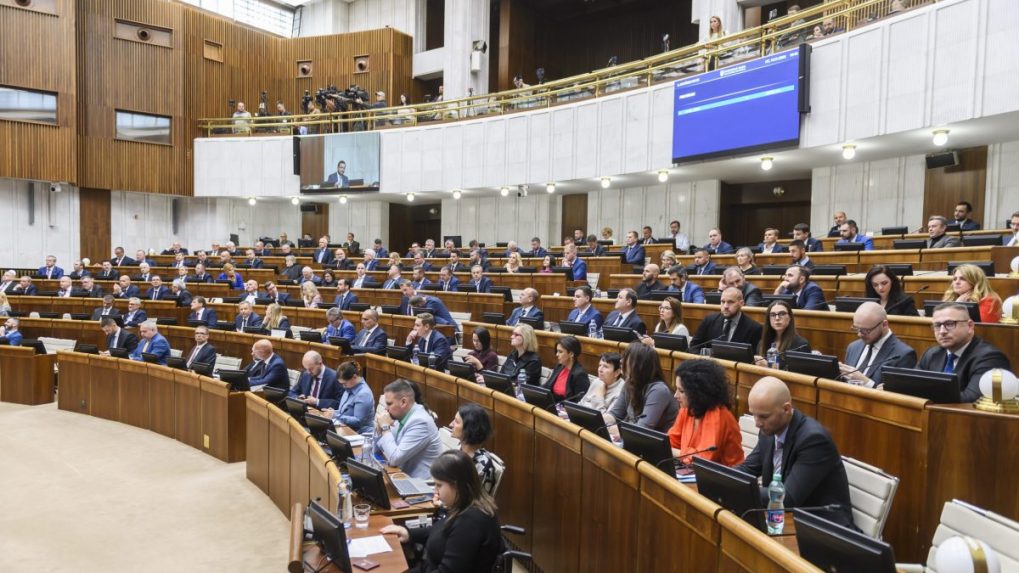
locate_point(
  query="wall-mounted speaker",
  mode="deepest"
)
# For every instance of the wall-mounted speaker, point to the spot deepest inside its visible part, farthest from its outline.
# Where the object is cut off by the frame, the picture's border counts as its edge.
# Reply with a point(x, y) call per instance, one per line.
point(143, 35)
point(362, 64)
point(943, 159)
point(309, 208)
point(23, 3)
point(305, 68)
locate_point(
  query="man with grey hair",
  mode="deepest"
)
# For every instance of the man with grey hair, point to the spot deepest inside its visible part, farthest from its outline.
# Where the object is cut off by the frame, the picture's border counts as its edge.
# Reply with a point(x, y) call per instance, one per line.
point(151, 343)
point(338, 326)
point(527, 309)
point(9, 282)
point(135, 315)
point(291, 270)
point(246, 317)
point(734, 277)
point(179, 290)
point(407, 433)
point(937, 231)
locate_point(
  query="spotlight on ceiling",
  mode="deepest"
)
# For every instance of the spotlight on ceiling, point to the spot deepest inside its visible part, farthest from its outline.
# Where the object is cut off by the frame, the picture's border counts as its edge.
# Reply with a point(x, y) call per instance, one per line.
point(295, 201)
point(456, 193)
point(504, 191)
point(940, 137)
point(767, 163)
point(343, 199)
point(663, 175)
point(550, 187)
point(606, 182)
point(410, 197)
point(252, 201)
point(848, 151)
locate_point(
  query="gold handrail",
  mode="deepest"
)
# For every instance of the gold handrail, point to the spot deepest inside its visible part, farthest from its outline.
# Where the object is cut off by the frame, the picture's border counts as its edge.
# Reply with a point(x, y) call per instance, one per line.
point(781, 33)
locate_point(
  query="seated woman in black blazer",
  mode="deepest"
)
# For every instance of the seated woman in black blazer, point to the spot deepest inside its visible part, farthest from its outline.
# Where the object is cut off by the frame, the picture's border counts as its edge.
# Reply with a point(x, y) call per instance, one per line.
point(568, 380)
point(780, 332)
point(524, 356)
point(469, 539)
point(884, 285)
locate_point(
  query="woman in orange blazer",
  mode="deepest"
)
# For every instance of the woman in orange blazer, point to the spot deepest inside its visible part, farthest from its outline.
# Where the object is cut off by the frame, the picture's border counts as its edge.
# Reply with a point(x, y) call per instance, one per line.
point(705, 418)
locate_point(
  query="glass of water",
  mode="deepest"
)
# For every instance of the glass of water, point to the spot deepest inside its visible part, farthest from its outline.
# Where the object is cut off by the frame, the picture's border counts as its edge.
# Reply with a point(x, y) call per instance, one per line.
point(706, 352)
point(362, 512)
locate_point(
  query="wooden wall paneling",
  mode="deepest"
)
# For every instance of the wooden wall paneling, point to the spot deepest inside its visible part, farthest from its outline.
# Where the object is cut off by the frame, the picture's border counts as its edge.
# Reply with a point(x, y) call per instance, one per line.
point(94, 224)
point(39, 54)
point(946, 186)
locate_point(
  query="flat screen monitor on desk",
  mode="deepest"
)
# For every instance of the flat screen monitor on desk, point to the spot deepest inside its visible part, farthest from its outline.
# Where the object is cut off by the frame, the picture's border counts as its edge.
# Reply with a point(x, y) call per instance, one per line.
point(398, 353)
point(296, 407)
point(587, 418)
point(150, 358)
point(938, 387)
point(539, 396)
point(493, 318)
point(275, 396)
point(85, 348)
point(850, 303)
point(574, 328)
point(735, 351)
point(732, 489)
point(972, 307)
point(203, 368)
point(498, 382)
point(619, 334)
point(318, 426)
point(339, 448)
point(342, 343)
point(237, 379)
point(461, 370)
point(329, 533)
point(369, 483)
point(651, 446)
point(35, 344)
point(909, 244)
point(506, 292)
point(118, 353)
point(820, 365)
point(176, 362)
point(667, 341)
point(662, 294)
point(832, 547)
point(310, 336)
point(849, 246)
point(533, 321)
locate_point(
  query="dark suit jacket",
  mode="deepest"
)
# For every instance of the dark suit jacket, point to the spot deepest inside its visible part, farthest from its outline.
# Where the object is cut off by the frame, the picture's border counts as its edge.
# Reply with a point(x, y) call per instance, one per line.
point(98, 313)
point(904, 306)
point(597, 251)
point(329, 390)
point(576, 384)
point(590, 314)
point(813, 245)
point(126, 340)
point(894, 352)
point(534, 312)
point(751, 294)
point(208, 315)
point(255, 263)
point(95, 292)
point(633, 255)
point(709, 269)
point(644, 291)
point(32, 290)
point(968, 225)
point(369, 282)
point(778, 248)
point(184, 299)
point(450, 285)
point(459, 268)
point(207, 355)
point(632, 322)
point(344, 301)
point(811, 297)
point(540, 253)
point(374, 344)
point(254, 321)
point(124, 262)
point(485, 282)
point(139, 317)
point(691, 293)
point(274, 373)
point(979, 357)
point(205, 278)
point(353, 248)
point(439, 346)
point(323, 256)
point(746, 331)
point(110, 276)
point(723, 248)
point(162, 293)
point(129, 292)
point(343, 264)
point(812, 469)
point(944, 242)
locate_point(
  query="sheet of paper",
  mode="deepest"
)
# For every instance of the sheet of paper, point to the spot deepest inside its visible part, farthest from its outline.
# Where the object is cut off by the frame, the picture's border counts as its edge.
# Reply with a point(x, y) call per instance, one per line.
point(355, 440)
point(365, 546)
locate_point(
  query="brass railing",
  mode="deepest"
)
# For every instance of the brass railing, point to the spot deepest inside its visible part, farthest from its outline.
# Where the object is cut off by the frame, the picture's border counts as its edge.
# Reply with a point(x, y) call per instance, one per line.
point(780, 34)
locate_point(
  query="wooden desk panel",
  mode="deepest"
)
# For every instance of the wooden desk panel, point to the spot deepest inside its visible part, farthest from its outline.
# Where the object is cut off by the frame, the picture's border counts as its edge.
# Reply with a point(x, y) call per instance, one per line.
point(745, 549)
point(513, 440)
point(222, 420)
point(162, 401)
point(188, 408)
point(672, 515)
point(318, 473)
point(440, 394)
point(470, 392)
point(75, 376)
point(134, 393)
point(610, 487)
point(378, 372)
point(300, 474)
point(279, 458)
point(105, 387)
point(26, 378)
point(257, 440)
point(803, 388)
point(556, 494)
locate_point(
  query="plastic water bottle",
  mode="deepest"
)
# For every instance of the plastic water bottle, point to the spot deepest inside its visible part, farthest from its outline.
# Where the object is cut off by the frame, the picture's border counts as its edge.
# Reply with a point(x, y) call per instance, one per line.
point(592, 329)
point(414, 356)
point(521, 380)
point(344, 504)
point(368, 448)
point(776, 505)
point(773, 356)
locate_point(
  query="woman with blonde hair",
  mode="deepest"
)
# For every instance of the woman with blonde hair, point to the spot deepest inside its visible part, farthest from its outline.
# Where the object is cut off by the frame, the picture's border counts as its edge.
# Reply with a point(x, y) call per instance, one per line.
point(668, 259)
point(745, 261)
point(970, 284)
point(230, 274)
point(524, 357)
point(5, 305)
point(275, 319)
point(606, 234)
point(395, 260)
point(514, 263)
point(310, 295)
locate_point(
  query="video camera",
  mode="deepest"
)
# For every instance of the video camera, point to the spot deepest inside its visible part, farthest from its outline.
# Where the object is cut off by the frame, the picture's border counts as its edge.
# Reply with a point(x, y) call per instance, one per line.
point(349, 99)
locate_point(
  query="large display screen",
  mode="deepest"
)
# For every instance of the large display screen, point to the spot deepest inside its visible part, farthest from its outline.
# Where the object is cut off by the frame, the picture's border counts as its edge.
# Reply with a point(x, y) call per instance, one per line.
point(347, 161)
point(744, 107)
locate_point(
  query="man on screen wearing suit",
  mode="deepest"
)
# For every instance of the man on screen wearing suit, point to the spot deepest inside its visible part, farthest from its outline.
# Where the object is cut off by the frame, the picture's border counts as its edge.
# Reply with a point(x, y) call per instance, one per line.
point(625, 314)
point(959, 351)
point(583, 311)
point(371, 339)
point(246, 317)
point(117, 337)
point(447, 282)
point(479, 282)
point(151, 343)
point(528, 298)
point(876, 347)
point(730, 324)
point(203, 352)
point(317, 385)
point(798, 448)
point(338, 178)
point(633, 252)
point(200, 312)
point(809, 295)
point(687, 290)
point(268, 368)
point(344, 298)
point(323, 255)
point(429, 341)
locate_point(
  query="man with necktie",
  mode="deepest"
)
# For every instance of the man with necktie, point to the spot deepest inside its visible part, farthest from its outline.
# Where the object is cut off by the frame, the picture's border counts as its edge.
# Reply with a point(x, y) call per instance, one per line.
point(583, 311)
point(106, 310)
point(528, 298)
point(246, 317)
point(203, 352)
point(633, 252)
point(447, 282)
point(393, 280)
point(200, 312)
point(686, 290)
point(323, 255)
point(429, 341)
point(317, 385)
point(65, 287)
point(344, 298)
point(50, 270)
point(372, 339)
point(268, 368)
point(158, 291)
point(730, 324)
point(151, 343)
point(874, 348)
point(9, 282)
point(479, 282)
point(338, 326)
point(134, 315)
point(625, 313)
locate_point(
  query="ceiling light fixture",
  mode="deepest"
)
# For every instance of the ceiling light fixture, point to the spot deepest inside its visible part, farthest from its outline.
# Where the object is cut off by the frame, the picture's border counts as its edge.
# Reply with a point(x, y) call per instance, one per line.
point(295, 201)
point(663, 175)
point(848, 151)
point(457, 194)
point(504, 191)
point(410, 197)
point(252, 201)
point(550, 187)
point(767, 163)
point(343, 199)
point(606, 182)
point(940, 137)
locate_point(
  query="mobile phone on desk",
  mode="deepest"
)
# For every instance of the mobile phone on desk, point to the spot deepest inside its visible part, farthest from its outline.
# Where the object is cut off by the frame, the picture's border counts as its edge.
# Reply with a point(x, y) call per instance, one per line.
point(416, 499)
point(364, 564)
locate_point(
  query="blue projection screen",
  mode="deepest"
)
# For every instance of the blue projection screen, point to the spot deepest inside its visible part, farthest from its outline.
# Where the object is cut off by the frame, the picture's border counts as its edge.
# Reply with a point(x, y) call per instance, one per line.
point(741, 108)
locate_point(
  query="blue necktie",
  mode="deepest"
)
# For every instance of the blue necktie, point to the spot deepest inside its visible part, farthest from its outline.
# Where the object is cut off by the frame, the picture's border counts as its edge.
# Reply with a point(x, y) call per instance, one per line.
point(950, 364)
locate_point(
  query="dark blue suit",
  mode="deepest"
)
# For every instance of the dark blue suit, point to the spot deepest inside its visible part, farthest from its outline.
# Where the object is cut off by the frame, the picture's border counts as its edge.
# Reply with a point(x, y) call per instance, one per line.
point(868, 243)
point(254, 321)
point(484, 285)
point(580, 269)
point(723, 248)
point(437, 345)
point(208, 315)
point(13, 338)
point(346, 330)
point(129, 292)
point(207, 355)
point(813, 245)
point(539, 253)
point(691, 293)
point(449, 285)
point(329, 390)
point(32, 290)
point(126, 340)
point(158, 346)
point(338, 180)
point(205, 278)
point(776, 249)
point(375, 343)
point(343, 301)
point(323, 256)
point(160, 293)
point(708, 269)
point(968, 225)
point(272, 373)
point(370, 265)
point(418, 284)
point(534, 312)
point(391, 284)
point(634, 255)
point(811, 297)
point(1008, 239)
point(56, 273)
point(134, 319)
point(632, 322)
point(590, 314)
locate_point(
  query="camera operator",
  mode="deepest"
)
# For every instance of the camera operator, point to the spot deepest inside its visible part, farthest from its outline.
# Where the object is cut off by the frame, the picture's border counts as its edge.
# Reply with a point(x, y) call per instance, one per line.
point(380, 102)
point(242, 120)
point(282, 113)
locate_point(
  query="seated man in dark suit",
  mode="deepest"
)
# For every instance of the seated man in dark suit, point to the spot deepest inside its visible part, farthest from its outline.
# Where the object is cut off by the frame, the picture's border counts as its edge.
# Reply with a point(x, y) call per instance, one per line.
point(50, 270)
point(536, 249)
point(729, 324)
point(876, 347)
point(419, 261)
point(134, 315)
point(716, 246)
point(199, 311)
point(479, 282)
point(801, 232)
point(339, 178)
point(447, 282)
point(528, 298)
point(798, 254)
point(576, 264)
point(625, 313)
point(338, 326)
point(960, 351)
point(702, 264)
point(179, 290)
point(770, 243)
point(251, 293)
point(583, 311)
point(850, 233)
point(106, 310)
point(371, 339)
point(200, 276)
point(268, 369)
point(418, 278)
point(174, 249)
point(291, 270)
point(341, 262)
point(117, 337)
point(351, 246)
point(203, 352)
point(688, 291)
point(362, 278)
point(393, 278)
point(25, 287)
point(272, 293)
point(633, 252)
point(593, 248)
point(937, 234)
point(9, 282)
point(252, 260)
point(107, 272)
point(1012, 239)
point(88, 288)
point(246, 317)
point(344, 298)
point(435, 307)
point(809, 295)
point(963, 211)
point(838, 218)
point(476, 259)
point(798, 448)
point(79, 271)
point(151, 343)
point(456, 265)
point(323, 255)
point(649, 282)
point(317, 385)
point(157, 291)
point(124, 289)
point(120, 259)
point(733, 277)
point(429, 341)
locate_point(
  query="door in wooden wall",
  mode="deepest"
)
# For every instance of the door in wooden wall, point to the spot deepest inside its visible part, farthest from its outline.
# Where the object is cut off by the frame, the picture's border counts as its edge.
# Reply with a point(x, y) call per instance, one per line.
point(94, 224)
point(944, 187)
point(574, 217)
point(749, 208)
point(315, 222)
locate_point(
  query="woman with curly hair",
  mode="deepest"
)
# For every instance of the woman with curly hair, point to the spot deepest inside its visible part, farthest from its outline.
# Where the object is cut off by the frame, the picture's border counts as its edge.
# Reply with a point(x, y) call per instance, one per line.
point(705, 418)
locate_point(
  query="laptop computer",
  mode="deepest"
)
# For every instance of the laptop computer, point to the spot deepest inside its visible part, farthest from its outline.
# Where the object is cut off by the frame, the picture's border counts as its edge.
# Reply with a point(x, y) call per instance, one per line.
point(408, 486)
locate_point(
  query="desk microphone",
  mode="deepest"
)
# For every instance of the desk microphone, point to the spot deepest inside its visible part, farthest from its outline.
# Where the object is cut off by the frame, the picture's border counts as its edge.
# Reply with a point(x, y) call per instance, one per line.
point(710, 448)
point(706, 342)
point(829, 507)
point(797, 349)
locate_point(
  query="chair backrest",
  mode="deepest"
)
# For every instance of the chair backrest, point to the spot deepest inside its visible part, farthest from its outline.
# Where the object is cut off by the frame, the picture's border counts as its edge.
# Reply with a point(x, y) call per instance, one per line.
point(176, 352)
point(871, 491)
point(54, 345)
point(748, 429)
point(227, 363)
point(545, 373)
point(592, 279)
point(448, 441)
point(294, 375)
point(500, 469)
point(961, 518)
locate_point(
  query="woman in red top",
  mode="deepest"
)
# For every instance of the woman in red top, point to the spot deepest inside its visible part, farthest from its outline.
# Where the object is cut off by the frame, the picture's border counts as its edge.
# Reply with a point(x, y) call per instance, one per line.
point(568, 380)
point(970, 284)
point(705, 419)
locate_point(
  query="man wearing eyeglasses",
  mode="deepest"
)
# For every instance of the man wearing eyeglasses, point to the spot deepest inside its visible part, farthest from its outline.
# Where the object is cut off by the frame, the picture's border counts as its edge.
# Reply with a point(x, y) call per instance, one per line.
point(876, 347)
point(960, 351)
